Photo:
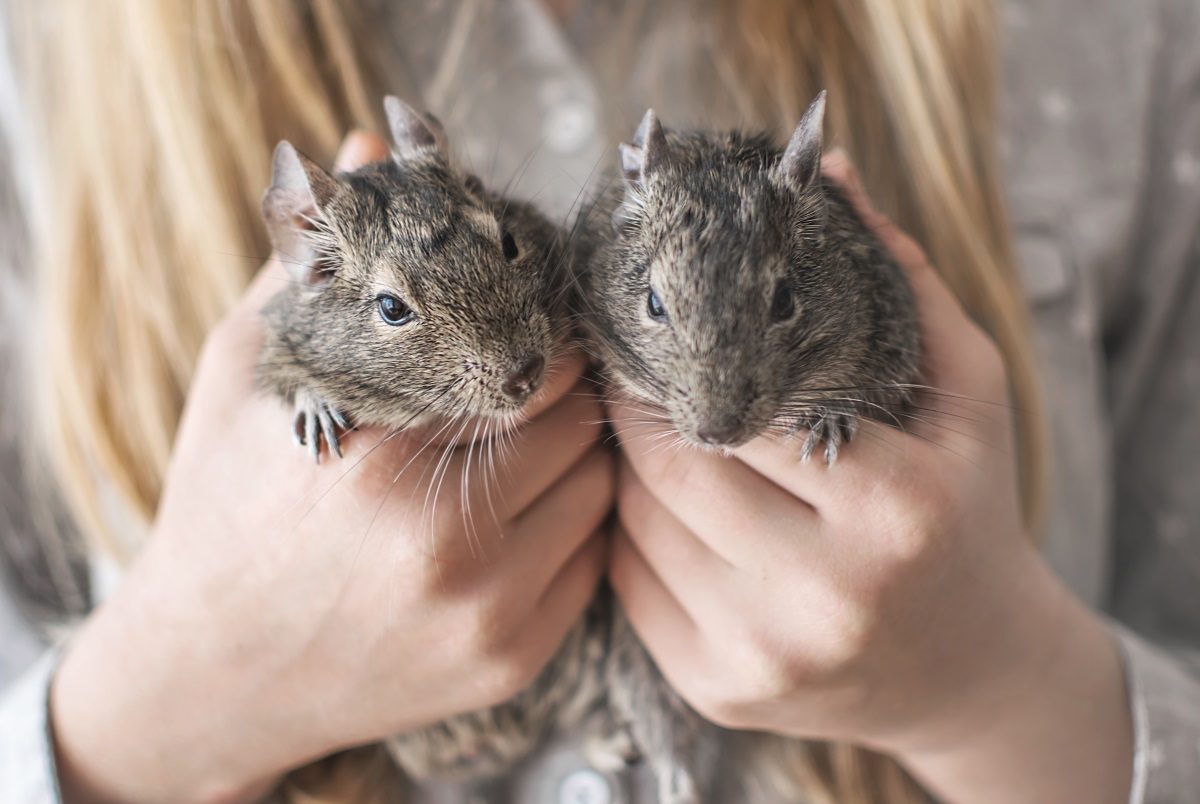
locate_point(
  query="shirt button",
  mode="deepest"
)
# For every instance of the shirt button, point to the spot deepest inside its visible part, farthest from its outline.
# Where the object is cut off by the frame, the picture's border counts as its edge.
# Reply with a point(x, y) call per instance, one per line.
point(585, 787)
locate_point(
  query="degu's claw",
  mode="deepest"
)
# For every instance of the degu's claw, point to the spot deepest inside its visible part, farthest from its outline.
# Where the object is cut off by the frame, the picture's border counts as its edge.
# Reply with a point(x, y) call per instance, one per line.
point(831, 451)
point(329, 431)
point(810, 443)
point(313, 437)
point(298, 428)
point(316, 422)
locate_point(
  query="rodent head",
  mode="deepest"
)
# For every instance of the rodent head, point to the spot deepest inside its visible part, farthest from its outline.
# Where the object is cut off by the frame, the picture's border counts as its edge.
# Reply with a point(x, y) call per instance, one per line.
point(715, 282)
point(419, 294)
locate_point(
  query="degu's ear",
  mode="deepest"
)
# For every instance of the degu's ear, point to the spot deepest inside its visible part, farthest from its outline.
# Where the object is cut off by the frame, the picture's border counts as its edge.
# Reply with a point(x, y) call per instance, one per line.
point(299, 191)
point(414, 135)
point(800, 166)
point(640, 159)
point(647, 153)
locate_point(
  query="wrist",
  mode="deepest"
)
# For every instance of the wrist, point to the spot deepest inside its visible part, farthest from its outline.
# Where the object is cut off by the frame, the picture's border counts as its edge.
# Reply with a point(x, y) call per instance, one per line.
point(136, 715)
point(1047, 716)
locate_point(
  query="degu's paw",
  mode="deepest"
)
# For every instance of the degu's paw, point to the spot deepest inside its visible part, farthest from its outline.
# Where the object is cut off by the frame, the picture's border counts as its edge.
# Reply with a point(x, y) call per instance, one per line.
point(827, 427)
point(316, 421)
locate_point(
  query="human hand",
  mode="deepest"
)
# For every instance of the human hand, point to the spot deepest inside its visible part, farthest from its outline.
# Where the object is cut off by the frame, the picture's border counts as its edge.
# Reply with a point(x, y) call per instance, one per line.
point(284, 610)
point(893, 600)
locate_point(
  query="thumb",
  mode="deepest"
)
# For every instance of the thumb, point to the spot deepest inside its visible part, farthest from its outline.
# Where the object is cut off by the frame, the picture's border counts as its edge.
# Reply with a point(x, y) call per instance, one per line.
point(836, 165)
point(358, 149)
point(945, 326)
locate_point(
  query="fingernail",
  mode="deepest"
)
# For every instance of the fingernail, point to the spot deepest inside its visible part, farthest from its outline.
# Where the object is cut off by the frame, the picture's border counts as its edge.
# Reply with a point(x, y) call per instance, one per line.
point(358, 148)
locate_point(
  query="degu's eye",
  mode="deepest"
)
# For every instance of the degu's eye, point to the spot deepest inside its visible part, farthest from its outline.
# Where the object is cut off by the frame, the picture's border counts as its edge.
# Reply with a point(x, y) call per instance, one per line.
point(655, 307)
point(393, 311)
point(509, 245)
point(782, 303)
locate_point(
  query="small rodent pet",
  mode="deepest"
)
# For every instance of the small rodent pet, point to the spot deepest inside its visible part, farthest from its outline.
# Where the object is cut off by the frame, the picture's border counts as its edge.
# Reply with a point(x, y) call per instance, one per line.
point(723, 282)
point(419, 296)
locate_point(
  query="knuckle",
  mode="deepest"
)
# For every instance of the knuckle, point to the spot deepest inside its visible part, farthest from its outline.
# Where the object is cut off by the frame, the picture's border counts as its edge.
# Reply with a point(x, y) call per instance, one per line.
point(754, 674)
point(850, 639)
point(912, 509)
point(766, 672)
point(486, 629)
point(716, 702)
point(909, 542)
point(506, 674)
point(842, 623)
point(725, 713)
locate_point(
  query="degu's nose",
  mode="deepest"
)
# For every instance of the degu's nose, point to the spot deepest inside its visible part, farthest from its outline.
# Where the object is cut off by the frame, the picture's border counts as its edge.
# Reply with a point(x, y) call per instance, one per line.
point(720, 432)
point(526, 379)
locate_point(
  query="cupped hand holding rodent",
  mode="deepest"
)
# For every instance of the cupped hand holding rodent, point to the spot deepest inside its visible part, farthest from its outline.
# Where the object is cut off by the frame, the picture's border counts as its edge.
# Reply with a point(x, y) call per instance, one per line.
point(893, 599)
point(283, 610)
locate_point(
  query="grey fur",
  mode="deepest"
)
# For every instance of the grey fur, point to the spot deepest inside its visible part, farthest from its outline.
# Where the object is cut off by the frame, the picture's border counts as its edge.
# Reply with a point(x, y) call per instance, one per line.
point(717, 228)
point(411, 227)
point(718, 225)
point(415, 227)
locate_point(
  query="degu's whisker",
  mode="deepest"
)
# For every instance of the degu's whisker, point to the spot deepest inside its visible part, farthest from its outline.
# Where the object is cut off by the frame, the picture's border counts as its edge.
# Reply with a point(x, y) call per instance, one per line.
point(468, 516)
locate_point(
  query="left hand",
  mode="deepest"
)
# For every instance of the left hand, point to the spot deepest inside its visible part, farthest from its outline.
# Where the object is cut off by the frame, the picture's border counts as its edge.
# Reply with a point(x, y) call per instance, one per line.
point(892, 600)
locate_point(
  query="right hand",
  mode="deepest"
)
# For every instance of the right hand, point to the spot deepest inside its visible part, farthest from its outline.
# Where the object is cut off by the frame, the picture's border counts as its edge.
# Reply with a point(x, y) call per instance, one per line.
point(284, 610)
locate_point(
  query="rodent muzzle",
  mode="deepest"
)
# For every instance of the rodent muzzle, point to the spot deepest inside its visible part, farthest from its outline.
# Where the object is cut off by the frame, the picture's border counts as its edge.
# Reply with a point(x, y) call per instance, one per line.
point(526, 379)
point(720, 433)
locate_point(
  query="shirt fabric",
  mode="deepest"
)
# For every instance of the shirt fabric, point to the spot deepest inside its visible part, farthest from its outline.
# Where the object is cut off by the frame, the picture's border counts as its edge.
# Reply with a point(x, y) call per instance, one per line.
point(1101, 144)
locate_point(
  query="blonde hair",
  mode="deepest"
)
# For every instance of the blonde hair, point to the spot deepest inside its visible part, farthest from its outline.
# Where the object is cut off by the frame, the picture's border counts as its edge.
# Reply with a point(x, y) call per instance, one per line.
point(157, 119)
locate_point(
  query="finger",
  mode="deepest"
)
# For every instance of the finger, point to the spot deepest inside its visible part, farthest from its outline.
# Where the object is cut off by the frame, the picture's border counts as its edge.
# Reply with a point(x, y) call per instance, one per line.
point(232, 347)
point(907, 252)
point(734, 510)
point(498, 477)
point(542, 539)
point(270, 279)
point(419, 479)
point(837, 166)
point(562, 376)
point(661, 623)
point(688, 568)
point(954, 347)
point(544, 449)
point(562, 605)
point(359, 148)
point(877, 451)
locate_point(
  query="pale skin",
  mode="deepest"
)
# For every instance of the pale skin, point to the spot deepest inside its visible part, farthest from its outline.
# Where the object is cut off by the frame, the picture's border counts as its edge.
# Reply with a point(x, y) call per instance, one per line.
point(894, 601)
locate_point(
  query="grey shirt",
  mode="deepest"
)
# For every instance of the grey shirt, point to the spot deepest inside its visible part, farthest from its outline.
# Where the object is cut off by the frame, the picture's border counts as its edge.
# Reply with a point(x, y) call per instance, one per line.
point(1101, 138)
